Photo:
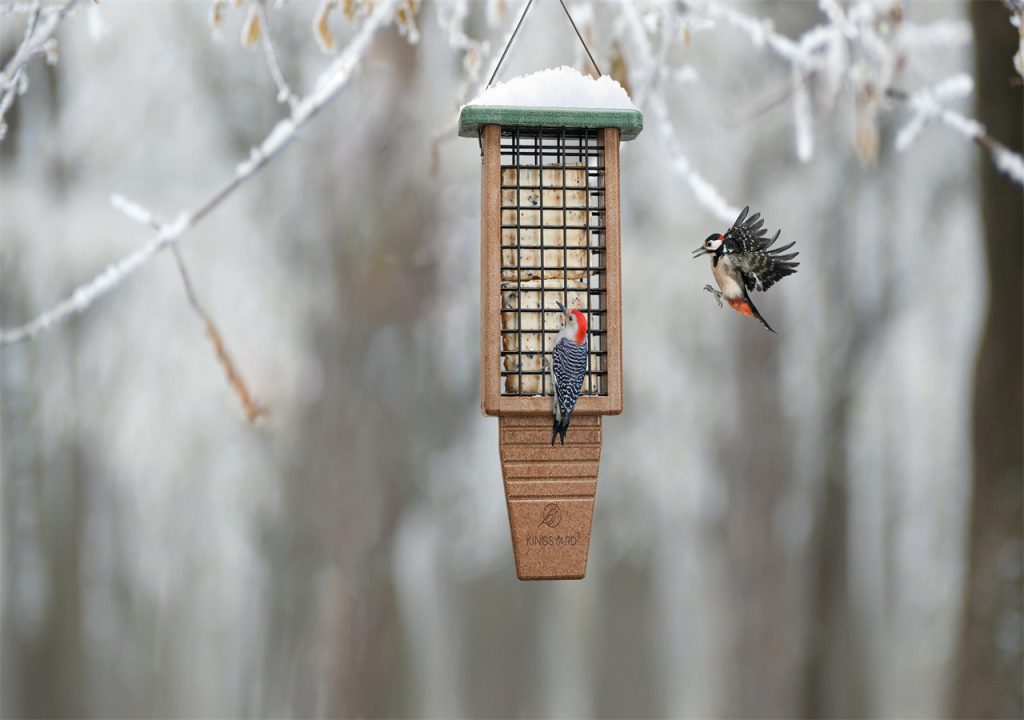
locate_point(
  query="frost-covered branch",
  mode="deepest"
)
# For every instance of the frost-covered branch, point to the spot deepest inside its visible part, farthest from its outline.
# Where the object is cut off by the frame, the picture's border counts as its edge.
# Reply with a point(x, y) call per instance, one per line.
point(135, 212)
point(645, 58)
point(1016, 8)
point(825, 51)
point(330, 82)
point(284, 91)
point(38, 38)
point(25, 8)
point(925, 107)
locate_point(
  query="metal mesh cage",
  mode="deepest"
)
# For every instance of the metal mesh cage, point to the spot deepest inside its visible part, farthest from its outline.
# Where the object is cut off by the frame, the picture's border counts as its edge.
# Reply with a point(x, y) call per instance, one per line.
point(553, 250)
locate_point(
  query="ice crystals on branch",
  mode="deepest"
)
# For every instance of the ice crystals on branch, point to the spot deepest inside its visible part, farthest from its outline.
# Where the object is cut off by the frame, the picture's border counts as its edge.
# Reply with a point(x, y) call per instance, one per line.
point(646, 68)
point(333, 79)
point(132, 210)
point(862, 45)
point(802, 117)
point(925, 103)
point(1009, 163)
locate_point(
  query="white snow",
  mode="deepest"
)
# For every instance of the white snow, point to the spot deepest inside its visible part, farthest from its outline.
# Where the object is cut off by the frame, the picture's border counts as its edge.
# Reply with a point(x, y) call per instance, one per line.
point(1009, 162)
point(802, 121)
point(132, 209)
point(560, 87)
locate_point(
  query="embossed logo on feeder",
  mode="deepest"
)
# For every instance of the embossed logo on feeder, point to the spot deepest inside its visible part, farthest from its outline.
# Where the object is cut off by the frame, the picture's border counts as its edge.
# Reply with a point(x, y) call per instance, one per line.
point(551, 516)
point(554, 540)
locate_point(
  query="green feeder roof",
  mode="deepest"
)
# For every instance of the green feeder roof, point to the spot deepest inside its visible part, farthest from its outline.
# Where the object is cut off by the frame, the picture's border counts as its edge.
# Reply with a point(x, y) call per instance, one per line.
point(474, 117)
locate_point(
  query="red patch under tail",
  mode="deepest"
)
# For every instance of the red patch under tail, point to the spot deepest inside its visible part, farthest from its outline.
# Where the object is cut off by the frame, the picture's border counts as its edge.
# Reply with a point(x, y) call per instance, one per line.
point(740, 305)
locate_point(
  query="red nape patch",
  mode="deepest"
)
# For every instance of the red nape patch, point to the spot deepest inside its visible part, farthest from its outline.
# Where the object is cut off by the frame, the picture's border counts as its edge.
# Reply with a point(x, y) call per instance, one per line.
point(741, 306)
point(581, 326)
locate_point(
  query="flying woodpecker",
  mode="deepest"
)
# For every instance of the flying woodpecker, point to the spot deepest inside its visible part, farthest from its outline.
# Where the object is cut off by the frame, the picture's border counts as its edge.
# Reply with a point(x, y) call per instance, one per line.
point(741, 260)
point(568, 366)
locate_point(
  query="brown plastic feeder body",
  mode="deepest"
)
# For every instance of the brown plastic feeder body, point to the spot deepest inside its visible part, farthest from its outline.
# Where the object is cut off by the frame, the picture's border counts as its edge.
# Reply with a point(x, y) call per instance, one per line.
point(549, 234)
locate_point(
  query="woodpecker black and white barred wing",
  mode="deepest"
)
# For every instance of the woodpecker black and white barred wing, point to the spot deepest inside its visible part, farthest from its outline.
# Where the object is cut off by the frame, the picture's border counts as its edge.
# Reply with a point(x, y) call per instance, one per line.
point(568, 366)
point(750, 249)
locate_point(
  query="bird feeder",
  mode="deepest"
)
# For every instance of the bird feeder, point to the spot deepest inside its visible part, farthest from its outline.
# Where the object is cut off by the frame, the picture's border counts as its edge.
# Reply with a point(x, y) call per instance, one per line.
point(549, 234)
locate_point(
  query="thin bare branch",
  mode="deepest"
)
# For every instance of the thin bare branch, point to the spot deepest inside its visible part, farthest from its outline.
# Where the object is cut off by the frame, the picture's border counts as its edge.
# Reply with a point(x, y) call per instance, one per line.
point(284, 91)
point(705, 193)
point(328, 85)
point(38, 33)
point(855, 23)
point(252, 407)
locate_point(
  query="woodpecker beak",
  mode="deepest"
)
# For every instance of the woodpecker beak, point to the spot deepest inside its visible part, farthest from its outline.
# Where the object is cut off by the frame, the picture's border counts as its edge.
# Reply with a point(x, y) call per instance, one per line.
point(562, 308)
point(700, 251)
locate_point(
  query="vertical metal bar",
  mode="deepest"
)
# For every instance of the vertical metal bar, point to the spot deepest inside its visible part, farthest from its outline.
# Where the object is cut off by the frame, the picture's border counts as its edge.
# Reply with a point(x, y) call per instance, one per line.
point(516, 150)
point(565, 251)
point(490, 271)
point(588, 236)
point(539, 158)
point(613, 269)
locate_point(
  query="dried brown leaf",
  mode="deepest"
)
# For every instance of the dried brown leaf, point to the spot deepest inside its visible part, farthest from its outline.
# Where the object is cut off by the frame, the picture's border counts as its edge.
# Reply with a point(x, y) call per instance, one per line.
point(253, 409)
point(866, 136)
point(251, 30)
point(322, 26)
point(405, 19)
point(217, 14)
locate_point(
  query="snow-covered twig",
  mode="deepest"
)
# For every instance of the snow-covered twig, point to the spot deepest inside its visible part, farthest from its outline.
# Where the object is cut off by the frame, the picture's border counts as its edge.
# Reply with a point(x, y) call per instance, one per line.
point(253, 408)
point(705, 193)
point(855, 23)
point(925, 107)
point(24, 8)
point(925, 103)
point(330, 82)
point(1016, 8)
point(284, 91)
point(38, 39)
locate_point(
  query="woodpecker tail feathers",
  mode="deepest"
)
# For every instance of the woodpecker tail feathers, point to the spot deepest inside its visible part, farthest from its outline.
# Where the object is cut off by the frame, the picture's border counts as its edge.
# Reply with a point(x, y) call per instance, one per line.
point(746, 307)
point(560, 427)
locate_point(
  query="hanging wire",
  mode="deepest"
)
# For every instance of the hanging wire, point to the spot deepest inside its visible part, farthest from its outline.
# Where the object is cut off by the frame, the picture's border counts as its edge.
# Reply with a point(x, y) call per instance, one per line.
point(515, 32)
point(511, 39)
point(573, 23)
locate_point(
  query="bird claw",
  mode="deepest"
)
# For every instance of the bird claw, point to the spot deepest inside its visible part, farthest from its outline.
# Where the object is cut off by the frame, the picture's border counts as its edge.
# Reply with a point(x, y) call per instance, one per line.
point(716, 293)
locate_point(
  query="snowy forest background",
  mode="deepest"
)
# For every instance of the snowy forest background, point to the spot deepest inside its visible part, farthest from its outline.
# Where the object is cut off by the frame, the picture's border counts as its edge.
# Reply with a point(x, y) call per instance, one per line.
point(826, 522)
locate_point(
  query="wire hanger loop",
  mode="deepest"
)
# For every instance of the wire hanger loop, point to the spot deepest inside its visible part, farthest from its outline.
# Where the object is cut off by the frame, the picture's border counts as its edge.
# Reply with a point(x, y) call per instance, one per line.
point(519, 24)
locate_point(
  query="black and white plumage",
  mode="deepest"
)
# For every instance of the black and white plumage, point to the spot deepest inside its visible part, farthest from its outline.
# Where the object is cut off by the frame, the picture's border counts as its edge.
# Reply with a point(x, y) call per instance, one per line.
point(743, 259)
point(752, 253)
point(568, 367)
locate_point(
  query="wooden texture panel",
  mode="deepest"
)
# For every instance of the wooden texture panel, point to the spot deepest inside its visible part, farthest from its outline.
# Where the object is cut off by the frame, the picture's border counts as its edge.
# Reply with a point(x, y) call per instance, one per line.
point(550, 493)
point(490, 269)
point(613, 405)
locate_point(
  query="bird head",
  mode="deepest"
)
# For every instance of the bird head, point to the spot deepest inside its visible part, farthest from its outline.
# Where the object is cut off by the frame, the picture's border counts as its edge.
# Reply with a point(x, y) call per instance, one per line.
point(575, 324)
point(712, 245)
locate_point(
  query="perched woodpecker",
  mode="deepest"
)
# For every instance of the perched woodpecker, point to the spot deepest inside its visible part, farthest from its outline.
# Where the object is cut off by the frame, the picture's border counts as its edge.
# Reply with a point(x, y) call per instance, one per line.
point(741, 260)
point(568, 366)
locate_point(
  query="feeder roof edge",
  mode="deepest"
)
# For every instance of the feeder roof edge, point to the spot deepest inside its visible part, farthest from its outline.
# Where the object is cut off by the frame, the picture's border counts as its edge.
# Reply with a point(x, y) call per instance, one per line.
point(474, 117)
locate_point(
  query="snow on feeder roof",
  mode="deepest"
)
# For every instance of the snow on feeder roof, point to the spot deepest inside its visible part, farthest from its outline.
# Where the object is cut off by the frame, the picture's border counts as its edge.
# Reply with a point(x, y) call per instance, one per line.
point(558, 97)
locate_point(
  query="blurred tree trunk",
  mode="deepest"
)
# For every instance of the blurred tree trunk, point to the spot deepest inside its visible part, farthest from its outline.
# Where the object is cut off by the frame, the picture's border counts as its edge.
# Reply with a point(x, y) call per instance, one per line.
point(989, 673)
point(836, 682)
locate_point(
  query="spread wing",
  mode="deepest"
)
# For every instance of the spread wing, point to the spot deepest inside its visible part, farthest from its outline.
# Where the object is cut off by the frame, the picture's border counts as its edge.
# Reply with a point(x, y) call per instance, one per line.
point(751, 251)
